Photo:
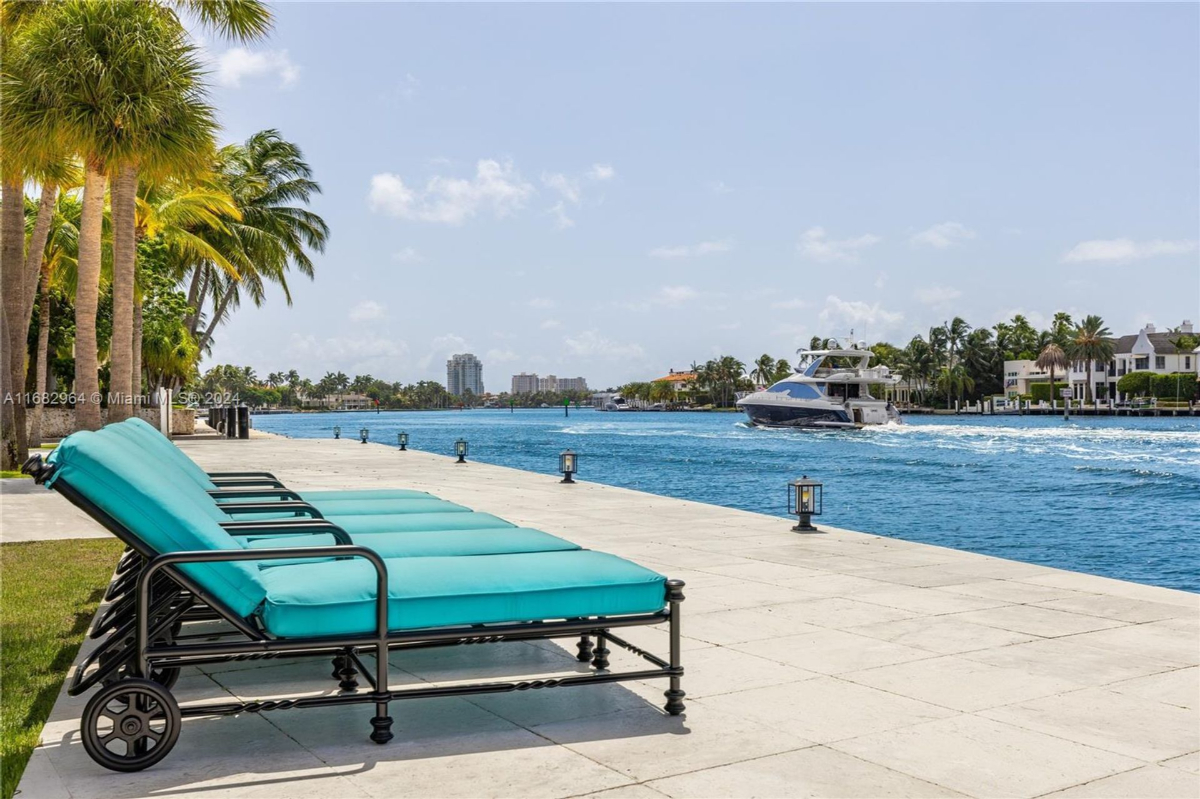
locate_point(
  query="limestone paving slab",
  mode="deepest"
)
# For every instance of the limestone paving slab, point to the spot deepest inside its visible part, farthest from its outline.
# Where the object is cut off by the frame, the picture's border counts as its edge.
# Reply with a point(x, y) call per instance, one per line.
point(832, 664)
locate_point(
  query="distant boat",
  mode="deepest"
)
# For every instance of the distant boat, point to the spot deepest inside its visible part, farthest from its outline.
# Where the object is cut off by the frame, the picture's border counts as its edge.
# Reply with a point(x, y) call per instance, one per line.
point(824, 394)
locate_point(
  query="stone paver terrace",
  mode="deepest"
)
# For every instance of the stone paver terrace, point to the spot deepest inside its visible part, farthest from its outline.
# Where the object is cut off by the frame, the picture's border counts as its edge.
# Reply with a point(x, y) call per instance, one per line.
point(834, 664)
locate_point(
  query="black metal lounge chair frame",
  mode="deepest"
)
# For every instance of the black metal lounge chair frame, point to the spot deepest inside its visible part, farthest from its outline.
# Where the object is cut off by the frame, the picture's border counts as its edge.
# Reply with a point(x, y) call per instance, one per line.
point(145, 649)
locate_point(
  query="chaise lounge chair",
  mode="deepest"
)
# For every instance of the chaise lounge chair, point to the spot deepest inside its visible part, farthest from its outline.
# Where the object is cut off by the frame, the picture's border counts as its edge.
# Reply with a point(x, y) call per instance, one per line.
point(320, 601)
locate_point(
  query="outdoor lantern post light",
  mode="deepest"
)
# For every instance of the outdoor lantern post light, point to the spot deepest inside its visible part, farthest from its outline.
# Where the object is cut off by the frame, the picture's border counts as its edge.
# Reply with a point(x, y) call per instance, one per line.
point(567, 464)
point(337, 431)
point(402, 440)
point(363, 434)
point(805, 500)
point(460, 449)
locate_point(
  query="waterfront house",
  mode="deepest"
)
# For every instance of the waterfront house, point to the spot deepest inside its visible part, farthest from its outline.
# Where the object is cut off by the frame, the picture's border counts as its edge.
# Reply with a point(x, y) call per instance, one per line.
point(1144, 351)
point(680, 381)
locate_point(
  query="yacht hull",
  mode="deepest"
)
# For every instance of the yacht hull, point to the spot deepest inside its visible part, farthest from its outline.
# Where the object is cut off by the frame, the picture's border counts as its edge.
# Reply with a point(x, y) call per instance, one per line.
point(817, 418)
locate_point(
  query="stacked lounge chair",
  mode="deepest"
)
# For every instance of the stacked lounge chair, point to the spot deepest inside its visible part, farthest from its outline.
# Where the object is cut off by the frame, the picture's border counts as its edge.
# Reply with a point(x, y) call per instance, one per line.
point(318, 575)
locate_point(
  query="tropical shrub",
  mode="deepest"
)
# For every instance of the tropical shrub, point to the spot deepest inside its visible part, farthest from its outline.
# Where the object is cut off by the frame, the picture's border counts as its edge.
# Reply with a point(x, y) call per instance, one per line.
point(1043, 392)
point(1179, 384)
point(1136, 383)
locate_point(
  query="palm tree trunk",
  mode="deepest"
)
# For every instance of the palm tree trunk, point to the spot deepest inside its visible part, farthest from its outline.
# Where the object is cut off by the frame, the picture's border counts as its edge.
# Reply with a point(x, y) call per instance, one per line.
point(15, 448)
point(87, 296)
point(42, 364)
point(1052, 388)
point(1087, 389)
point(218, 315)
point(196, 294)
point(37, 247)
point(124, 246)
point(137, 344)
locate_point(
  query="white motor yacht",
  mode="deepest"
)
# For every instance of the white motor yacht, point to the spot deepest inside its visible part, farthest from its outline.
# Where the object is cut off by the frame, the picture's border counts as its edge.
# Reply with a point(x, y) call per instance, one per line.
point(830, 389)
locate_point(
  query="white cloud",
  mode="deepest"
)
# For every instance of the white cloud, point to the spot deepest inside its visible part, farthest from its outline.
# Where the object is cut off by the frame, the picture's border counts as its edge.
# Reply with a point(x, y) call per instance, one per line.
point(937, 295)
point(541, 302)
point(361, 354)
point(233, 65)
point(565, 186)
point(839, 313)
point(559, 212)
point(407, 256)
point(719, 187)
point(815, 245)
point(442, 347)
point(591, 343)
point(601, 172)
point(881, 280)
point(367, 311)
point(729, 326)
point(790, 305)
point(665, 297)
point(500, 356)
point(496, 186)
point(693, 250)
point(1125, 249)
point(942, 235)
point(551, 324)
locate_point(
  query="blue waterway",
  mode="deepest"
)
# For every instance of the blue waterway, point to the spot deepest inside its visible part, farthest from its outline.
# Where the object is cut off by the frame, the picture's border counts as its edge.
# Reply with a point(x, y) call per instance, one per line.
point(1117, 497)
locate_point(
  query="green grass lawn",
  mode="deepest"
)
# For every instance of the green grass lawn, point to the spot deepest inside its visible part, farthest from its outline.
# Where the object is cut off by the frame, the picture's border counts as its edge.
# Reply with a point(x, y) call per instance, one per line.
point(6, 473)
point(48, 594)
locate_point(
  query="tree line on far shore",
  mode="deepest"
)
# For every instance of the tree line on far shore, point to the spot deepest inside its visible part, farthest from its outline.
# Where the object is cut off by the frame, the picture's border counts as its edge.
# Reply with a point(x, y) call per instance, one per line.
point(954, 362)
point(287, 389)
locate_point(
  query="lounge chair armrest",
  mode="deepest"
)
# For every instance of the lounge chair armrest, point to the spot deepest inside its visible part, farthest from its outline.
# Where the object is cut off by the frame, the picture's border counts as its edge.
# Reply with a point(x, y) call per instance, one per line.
point(248, 482)
point(268, 493)
point(313, 528)
point(289, 523)
point(276, 553)
point(270, 507)
point(216, 475)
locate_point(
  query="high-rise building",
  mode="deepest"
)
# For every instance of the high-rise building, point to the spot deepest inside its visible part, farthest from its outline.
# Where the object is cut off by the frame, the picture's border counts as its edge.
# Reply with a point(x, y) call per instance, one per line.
point(524, 383)
point(572, 384)
point(529, 383)
point(464, 373)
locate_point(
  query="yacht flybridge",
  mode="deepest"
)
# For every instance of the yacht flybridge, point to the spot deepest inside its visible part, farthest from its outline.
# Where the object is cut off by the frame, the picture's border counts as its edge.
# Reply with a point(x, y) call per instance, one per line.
point(830, 389)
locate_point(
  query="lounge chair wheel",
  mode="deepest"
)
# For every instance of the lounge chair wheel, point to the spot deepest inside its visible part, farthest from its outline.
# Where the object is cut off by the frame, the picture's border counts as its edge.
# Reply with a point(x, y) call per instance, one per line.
point(130, 725)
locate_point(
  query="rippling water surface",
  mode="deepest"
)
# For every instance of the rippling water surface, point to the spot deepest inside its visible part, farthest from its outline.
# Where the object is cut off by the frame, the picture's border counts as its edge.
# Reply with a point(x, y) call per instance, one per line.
point(1118, 497)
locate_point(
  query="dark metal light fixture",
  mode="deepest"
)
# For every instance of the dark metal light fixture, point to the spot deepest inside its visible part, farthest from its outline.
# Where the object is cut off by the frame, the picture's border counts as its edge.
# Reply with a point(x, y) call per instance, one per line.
point(460, 449)
point(364, 434)
point(402, 440)
point(568, 465)
point(805, 500)
point(337, 431)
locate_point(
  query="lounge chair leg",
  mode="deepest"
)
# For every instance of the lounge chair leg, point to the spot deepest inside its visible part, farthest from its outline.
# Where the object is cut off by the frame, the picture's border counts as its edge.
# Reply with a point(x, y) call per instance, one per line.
point(600, 654)
point(675, 693)
point(339, 663)
point(346, 674)
point(585, 649)
point(381, 725)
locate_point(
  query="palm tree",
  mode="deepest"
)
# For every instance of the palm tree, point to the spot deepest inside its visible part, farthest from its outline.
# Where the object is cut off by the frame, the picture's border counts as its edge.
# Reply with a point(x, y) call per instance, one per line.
point(955, 380)
point(764, 369)
point(1051, 358)
point(1092, 343)
point(265, 176)
point(58, 266)
point(783, 369)
point(116, 82)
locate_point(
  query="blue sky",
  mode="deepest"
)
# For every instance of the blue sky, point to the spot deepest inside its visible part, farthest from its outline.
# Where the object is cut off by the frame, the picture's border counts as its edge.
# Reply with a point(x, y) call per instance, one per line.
point(613, 191)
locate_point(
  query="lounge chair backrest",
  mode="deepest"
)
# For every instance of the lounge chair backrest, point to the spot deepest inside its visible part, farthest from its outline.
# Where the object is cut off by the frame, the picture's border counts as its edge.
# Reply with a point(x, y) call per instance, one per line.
point(147, 435)
point(152, 505)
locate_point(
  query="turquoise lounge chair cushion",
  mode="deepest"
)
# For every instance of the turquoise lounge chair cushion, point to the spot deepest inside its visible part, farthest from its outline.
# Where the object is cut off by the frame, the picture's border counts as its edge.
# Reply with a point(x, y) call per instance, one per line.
point(366, 493)
point(146, 435)
point(375, 507)
point(153, 507)
point(418, 522)
point(338, 598)
point(444, 543)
